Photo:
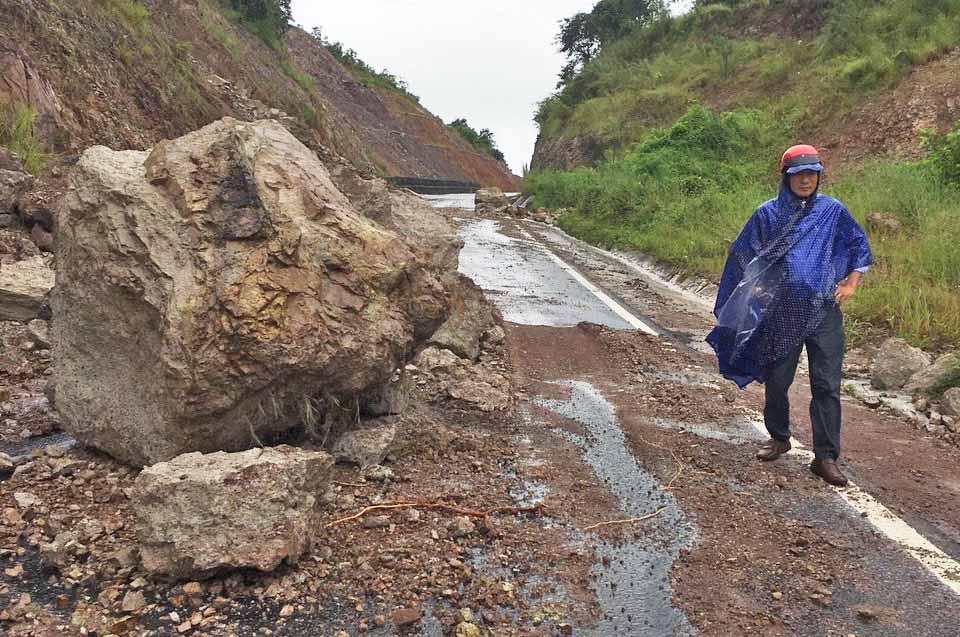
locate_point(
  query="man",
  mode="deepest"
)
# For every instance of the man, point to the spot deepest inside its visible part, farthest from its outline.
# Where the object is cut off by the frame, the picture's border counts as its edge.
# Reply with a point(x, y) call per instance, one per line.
point(799, 257)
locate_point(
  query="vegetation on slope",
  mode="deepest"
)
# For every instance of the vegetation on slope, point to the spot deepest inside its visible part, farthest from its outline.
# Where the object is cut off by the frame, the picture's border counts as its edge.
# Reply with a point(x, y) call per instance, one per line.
point(649, 76)
point(679, 180)
point(366, 74)
point(482, 141)
point(18, 134)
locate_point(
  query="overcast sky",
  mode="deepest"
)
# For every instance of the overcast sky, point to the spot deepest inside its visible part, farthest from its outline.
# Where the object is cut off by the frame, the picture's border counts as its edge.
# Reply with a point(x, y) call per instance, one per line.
point(490, 62)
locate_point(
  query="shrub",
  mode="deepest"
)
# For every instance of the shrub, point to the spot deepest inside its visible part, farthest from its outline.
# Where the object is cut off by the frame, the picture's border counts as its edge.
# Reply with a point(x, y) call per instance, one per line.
point(18, 133)
point(944, 154)
point(130, 12)
point(267, 19)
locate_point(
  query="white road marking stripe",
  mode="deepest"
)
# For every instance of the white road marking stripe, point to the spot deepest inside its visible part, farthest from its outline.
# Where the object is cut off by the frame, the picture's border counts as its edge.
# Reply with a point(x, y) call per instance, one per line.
point(940, 565)
point(618, 309)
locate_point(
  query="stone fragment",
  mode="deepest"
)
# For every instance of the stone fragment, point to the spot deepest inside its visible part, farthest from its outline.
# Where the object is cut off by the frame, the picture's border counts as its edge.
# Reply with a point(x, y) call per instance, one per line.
point(950, 405)
point(367, 446)
point(23, 287)
point(462, 527)
point(925, 380)
point(896, 362)
point(42, 238)
point(376, 521)
point(433, 358)
point(406, 616)
point(378, 473)
point(13, 183)
point(200, 514)
point(133, 601)
point(246, 283)
point(470, 316)
point(65, 549)
point(7, 466)
point(466, 629)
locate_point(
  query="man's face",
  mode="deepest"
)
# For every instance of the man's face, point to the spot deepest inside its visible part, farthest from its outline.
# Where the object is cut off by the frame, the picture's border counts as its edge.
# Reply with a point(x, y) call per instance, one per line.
point(804, 183)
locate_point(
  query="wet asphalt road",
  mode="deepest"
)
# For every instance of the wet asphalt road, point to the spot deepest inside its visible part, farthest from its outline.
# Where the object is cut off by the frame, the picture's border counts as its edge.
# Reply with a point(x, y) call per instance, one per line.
point(530, 288)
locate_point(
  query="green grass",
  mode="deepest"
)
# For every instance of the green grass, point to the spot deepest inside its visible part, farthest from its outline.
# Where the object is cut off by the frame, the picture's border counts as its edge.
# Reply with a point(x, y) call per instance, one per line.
point(18, 133)
point(303, 80)
point(129, 12)
point(683, 194)
point(209, 18)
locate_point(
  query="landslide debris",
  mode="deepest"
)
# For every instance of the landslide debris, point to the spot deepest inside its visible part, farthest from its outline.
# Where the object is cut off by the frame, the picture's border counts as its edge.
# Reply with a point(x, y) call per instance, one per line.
point(209, 289)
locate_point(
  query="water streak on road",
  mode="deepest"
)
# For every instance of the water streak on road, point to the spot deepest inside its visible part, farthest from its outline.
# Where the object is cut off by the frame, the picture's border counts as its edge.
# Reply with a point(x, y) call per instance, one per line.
point(633, 578)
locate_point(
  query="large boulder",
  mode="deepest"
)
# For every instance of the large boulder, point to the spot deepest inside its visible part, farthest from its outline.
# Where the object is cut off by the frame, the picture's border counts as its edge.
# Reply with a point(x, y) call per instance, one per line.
point(198, 515)
point(928, 378)
point(23, 287)
point(209, 289)
point(470, 316)
point(491, 200)
point(896, 362)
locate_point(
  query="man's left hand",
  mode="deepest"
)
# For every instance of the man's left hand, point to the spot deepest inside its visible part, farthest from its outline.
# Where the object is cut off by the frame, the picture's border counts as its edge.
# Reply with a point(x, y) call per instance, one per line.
point(844, 291)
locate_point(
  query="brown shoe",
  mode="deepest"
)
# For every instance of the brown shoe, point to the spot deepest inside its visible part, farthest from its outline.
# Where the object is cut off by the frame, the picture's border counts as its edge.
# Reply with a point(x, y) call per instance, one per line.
point(773, 449)
point(829, 471)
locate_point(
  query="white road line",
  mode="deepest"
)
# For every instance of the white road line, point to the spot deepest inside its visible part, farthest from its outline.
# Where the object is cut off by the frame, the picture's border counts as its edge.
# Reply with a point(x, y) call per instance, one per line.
point(618, 309)
point(940, 565)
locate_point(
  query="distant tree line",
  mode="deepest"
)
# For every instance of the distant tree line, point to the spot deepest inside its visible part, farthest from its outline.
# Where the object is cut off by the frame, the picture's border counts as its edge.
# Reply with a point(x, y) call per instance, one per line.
point(482, 141)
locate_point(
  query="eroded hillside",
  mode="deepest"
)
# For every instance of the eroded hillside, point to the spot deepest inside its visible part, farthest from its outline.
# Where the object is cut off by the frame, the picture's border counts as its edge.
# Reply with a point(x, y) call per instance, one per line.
point(126, 75)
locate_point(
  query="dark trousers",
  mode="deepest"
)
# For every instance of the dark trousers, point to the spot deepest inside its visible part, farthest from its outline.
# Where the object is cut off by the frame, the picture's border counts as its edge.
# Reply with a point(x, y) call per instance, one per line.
point(825, 349)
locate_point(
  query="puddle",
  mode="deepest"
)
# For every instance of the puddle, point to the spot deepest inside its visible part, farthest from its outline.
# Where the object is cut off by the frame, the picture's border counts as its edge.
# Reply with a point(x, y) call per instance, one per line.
point(632, 581)
point(20, 448)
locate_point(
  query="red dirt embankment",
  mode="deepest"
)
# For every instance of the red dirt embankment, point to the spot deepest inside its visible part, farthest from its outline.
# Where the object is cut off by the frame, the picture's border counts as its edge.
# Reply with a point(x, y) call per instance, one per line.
point(108, 72)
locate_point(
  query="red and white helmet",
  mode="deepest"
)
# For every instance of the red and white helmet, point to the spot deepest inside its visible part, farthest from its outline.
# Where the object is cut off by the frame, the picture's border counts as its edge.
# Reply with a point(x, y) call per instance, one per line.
point(799, 158)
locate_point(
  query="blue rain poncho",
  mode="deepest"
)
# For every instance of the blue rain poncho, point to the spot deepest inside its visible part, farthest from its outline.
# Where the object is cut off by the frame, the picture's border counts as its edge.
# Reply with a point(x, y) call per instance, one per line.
point(779, 281)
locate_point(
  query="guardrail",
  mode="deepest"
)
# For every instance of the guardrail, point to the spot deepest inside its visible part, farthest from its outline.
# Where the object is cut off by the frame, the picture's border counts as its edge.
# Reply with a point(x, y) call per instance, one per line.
point(426, 186)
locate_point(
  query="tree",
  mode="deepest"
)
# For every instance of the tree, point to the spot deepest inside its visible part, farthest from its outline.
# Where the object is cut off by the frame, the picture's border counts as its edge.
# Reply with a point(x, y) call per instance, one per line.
point(582, 36)
point(269, 19)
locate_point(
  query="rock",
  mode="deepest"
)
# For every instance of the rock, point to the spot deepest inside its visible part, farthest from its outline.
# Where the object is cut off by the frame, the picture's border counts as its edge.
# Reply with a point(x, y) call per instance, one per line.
point(884, 223)
point(376, 521)
point(7, 466)
point(132, 602)
point(20, 83)
point(462, 527)
point(481, 393)
point(896, 362)
point(199, 514)
point(873, 402)
point(65, 549)
point(13, 183)
point(950, 423)
point(433, 359)
point(7, 220)
point(950, 405)
point(411, 515)
point(247, 285)
point(466, 629)
point(921, 403)
point(491, 200)
point(495, 336)
point(368, 445)
point(406, 616)
point(42, 238)
point(392, 398)
point(25, 499)
point(470, 316)
point(38, 331)
point(378, 473)
point(926, 379)
point(23, 287)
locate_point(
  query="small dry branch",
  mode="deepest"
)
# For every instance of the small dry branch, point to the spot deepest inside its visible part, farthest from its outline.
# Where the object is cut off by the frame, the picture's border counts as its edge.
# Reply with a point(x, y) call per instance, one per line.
point(627, 521)
point(675, 459)
point(436, 506)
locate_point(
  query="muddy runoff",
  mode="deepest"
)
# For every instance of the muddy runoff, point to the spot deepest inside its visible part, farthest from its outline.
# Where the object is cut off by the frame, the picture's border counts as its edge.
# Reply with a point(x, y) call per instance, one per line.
point(633, 576)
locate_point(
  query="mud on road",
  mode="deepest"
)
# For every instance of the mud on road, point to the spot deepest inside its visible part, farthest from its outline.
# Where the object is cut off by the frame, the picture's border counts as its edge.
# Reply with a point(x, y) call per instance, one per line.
point(655, 518)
